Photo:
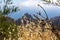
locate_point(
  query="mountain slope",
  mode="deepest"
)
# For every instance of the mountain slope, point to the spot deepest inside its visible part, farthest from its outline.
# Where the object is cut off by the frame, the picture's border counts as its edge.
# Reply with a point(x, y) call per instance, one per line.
point(56, 22)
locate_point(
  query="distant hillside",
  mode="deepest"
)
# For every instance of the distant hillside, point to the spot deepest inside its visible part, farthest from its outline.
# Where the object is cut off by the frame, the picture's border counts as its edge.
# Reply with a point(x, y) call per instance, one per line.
point(27, 17)
point(56, 22)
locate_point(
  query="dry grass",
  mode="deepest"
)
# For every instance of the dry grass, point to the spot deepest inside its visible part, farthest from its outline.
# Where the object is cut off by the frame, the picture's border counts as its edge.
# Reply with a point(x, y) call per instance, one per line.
point(32, 31)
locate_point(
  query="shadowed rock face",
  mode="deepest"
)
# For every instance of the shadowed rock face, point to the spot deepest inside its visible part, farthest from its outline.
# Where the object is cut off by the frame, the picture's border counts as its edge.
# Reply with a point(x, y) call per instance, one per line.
point(56, 26)
point(56, 22)
point(18, 22)
point(26, 18)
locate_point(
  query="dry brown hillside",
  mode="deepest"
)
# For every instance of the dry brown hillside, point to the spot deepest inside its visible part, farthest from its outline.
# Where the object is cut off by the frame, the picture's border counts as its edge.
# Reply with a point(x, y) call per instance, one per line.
point(41, 30)
point(36, 29)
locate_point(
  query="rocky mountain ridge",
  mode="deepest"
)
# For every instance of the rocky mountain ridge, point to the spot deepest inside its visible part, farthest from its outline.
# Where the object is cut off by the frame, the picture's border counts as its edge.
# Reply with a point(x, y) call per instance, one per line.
point(27, 17)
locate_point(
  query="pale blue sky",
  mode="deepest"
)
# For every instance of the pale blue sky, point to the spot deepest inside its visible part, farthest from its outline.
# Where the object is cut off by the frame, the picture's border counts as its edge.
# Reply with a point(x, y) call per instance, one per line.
point(29, 6)
point(24, 0)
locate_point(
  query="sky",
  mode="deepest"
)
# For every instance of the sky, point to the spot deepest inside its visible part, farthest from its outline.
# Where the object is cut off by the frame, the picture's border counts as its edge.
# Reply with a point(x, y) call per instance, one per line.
point(28, 2)
point(30, 6)
point(24, 1)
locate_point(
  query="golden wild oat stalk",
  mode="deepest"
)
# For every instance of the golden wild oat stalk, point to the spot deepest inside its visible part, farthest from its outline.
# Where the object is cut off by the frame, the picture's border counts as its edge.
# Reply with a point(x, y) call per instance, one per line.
point(39, 31)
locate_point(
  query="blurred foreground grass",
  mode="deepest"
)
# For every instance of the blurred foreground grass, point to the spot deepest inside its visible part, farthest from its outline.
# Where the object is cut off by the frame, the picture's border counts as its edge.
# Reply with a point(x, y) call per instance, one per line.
point(39, 31)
